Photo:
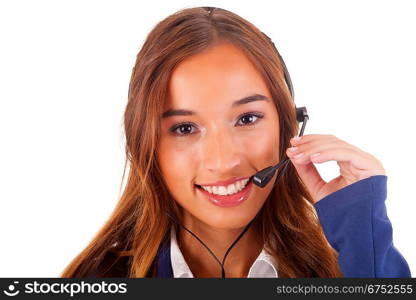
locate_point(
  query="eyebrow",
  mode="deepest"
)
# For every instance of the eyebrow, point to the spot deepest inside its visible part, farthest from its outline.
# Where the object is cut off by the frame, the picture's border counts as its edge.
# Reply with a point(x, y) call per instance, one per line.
point(185, 112)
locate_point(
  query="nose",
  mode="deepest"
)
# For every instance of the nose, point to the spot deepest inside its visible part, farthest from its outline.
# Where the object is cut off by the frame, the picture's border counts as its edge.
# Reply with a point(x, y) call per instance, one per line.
point(221, 153)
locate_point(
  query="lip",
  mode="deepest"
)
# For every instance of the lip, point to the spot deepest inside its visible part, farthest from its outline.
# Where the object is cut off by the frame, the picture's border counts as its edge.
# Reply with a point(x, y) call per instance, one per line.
point(225, 182)
point(229, 200)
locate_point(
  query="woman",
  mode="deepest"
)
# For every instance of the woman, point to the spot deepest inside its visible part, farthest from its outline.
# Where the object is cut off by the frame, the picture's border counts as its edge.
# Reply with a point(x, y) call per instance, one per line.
point(208, 108)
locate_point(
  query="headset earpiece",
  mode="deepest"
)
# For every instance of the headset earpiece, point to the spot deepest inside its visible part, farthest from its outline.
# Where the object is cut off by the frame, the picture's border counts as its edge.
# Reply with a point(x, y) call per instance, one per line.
point(301, 114)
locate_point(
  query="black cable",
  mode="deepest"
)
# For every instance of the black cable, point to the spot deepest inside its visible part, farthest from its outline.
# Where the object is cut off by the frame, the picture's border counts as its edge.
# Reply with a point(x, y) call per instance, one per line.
point(209, 250)
point(232, 245)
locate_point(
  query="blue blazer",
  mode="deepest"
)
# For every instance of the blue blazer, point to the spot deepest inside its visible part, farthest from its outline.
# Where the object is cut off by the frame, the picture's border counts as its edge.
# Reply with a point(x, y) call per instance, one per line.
point(355, 223)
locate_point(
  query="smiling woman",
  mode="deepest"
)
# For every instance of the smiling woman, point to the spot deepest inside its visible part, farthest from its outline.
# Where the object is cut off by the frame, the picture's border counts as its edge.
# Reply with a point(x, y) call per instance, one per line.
point(208, 108)
point(213, 149)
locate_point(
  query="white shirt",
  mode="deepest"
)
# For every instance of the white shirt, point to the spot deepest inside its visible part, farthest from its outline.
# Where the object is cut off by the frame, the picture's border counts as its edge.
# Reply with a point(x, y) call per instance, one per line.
point(264, 266)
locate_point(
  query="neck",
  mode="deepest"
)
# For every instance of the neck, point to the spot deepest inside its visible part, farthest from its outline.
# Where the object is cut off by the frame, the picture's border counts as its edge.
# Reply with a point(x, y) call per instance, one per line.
point(201, 262)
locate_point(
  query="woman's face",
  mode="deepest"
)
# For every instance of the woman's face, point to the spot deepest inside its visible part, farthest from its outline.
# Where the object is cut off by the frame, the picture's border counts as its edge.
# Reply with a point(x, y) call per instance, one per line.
point(210, 139)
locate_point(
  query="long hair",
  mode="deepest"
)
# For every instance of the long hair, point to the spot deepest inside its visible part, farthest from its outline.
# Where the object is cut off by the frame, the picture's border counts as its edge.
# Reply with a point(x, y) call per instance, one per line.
point(137, 227)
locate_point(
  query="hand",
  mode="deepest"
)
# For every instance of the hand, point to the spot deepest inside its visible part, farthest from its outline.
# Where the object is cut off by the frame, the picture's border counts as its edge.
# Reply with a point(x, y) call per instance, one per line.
point(354, 163)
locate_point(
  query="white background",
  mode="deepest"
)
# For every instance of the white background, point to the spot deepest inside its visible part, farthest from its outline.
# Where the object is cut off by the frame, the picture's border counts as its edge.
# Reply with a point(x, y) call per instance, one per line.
point(65, 67)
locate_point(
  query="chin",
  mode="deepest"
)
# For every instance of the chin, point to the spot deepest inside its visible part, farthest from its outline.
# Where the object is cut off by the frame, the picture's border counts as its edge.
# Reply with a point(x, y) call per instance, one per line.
point(235, 222)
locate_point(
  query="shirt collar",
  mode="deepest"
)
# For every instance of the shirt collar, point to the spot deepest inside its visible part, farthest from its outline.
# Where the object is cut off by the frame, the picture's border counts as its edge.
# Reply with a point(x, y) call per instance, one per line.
point(264, 266)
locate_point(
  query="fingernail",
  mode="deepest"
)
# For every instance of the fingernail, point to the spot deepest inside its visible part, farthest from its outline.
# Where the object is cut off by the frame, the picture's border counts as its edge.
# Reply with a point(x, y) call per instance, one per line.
point(297, 138)
point(298, 155)
point(293, 149)
point(315, 154)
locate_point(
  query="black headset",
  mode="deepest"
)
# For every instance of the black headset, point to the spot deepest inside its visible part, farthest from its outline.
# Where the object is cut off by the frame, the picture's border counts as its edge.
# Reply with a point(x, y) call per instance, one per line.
point(262, 177)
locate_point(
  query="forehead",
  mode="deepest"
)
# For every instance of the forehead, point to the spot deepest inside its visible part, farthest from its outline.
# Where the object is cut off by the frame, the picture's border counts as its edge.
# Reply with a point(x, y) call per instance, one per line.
point(220, 73)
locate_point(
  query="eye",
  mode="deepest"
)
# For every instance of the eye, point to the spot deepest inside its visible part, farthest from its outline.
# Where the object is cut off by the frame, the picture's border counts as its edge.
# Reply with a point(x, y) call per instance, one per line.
point(249, 119)
point(184, 129)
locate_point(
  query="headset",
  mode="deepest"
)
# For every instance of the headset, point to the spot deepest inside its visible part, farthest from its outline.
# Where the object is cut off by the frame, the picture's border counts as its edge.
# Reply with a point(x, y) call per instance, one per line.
point(263, 177)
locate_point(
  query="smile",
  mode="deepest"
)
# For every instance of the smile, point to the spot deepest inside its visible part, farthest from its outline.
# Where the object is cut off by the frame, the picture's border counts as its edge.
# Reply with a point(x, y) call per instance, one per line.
point(229, 195)
point(226, 190)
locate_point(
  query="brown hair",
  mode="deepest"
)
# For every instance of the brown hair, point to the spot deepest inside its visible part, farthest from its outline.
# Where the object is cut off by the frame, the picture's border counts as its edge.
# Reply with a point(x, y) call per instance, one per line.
point(135, 230)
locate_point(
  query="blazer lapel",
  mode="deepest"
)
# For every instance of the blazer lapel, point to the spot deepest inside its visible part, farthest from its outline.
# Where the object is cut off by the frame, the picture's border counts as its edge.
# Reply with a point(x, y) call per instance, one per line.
point(164, 264)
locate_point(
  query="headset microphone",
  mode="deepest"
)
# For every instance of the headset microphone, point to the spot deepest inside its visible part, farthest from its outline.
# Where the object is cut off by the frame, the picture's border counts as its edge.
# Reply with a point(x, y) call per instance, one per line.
point(263, 177)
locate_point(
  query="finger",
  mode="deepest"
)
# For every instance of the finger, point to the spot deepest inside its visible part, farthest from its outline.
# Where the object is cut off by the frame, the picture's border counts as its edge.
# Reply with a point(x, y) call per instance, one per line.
point(311, 137)
point(339, 154)
point(313, 147)
point(362, 164)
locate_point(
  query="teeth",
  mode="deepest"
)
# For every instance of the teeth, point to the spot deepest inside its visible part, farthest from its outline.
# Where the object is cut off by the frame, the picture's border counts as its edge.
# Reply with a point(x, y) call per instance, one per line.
point(222, 190)
point(226, 190)
point(231, 189)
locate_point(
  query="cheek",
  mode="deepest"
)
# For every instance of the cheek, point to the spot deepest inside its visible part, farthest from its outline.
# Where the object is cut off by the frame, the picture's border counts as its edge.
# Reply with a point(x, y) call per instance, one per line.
point(177, 162)
point(263, 147)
